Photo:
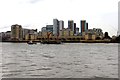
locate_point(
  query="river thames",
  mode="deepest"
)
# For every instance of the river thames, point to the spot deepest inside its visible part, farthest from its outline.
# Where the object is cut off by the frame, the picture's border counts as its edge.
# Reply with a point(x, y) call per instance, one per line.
point(67, 60)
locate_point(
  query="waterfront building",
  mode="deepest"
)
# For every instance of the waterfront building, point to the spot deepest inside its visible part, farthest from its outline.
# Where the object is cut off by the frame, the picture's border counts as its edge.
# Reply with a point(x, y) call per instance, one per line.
point(25, 32)
point(2, 36)
point(83, 26)
point(74, 28)
point(67, 32)
point(77, 31)
point(114, 37)
point(5, 36)
point(71, 25)
point(71, 33)
point(86, 26)
point(61, 28)
point(39, 35)
point(29, 32)
point(98, 32)
point(90, 36)
point(61, 32)
point(106, 36)
point(44, 34)
point(55, 27)
point(95, 33)
point(16, 32)
point(49, 28)
point(44, 29)
point(31, 37)
point(33, 31)
point(8, 35)
point(61, 25)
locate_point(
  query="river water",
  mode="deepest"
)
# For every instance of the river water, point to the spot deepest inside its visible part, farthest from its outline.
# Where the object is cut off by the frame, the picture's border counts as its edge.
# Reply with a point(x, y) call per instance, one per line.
point(67, 60)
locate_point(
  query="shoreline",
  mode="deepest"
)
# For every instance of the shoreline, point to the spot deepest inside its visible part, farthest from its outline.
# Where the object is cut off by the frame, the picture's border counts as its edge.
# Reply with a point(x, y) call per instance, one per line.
point(81, 41)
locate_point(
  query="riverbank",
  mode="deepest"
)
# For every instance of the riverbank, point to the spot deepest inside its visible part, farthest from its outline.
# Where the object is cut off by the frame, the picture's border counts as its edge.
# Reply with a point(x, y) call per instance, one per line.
point(68, 41)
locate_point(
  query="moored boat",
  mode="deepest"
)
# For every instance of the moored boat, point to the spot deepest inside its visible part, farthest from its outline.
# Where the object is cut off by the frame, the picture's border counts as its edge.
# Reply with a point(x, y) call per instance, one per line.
point(31, 42)
point(51, 42)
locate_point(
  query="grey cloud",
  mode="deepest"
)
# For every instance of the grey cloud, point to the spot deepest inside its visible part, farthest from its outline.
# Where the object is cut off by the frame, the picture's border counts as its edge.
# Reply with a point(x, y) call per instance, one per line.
point(4, 27)
point(34, 1)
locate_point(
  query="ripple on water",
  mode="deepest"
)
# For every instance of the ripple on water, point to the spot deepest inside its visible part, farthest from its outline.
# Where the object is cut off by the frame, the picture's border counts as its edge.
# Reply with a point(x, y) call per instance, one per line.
point(65, 63)
point(10, 75)
point(24, 66)
point(58, 67)
point(77, 64)
point(5, 68)
point(31, 70)
point(44, 68)
point(26, 60)
point(47, 56)
point(93, 53)
point(14, 71)
point(11, 64)
point(23, 51)
point(86, 66)
point(32, 53)
point(33, 65)
point(110, 58)
point(11, 71)
point(36, 75)
point(112, 64)
point(79, 71)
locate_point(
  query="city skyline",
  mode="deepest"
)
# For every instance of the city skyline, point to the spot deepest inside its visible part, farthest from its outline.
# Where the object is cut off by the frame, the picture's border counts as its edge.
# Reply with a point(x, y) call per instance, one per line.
point(39, 13)
point(53, 33)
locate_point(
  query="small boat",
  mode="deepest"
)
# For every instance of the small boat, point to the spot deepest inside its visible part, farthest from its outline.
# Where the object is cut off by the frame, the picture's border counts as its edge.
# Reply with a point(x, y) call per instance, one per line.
point(51, 42)
point(31, 42)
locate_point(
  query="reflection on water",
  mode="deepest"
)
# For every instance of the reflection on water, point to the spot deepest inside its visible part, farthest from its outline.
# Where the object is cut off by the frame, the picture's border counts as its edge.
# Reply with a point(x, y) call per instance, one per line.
point(76, 60)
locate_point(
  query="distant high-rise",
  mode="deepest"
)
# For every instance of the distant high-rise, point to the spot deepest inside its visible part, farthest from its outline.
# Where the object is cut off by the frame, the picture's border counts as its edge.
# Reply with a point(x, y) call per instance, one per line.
point(74, 28)
point(55, 27)
point(71, 25)
point(61, 24)
point(83, 26)
point(16, 32)
point(86, 26)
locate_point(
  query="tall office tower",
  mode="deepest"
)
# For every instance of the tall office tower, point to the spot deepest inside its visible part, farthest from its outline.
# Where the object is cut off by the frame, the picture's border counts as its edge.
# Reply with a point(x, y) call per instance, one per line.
point(74, 28)
point(83, 26)
point(71, 25)
point(16, 32)
point(61, 24)
point(86, 26)
point(55, 27)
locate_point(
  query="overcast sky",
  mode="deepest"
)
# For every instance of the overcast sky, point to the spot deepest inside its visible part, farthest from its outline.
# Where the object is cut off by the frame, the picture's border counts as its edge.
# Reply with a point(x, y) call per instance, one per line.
point(38, 13)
